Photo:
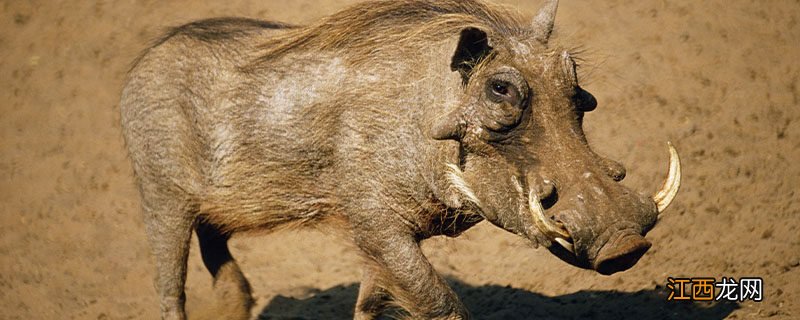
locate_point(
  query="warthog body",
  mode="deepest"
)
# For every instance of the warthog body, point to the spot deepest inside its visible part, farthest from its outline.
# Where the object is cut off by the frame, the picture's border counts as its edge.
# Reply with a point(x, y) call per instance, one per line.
point(393, 120)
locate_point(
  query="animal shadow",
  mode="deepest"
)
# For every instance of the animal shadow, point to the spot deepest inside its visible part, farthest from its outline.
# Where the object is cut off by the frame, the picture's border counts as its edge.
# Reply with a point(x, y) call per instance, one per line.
point(499, 302)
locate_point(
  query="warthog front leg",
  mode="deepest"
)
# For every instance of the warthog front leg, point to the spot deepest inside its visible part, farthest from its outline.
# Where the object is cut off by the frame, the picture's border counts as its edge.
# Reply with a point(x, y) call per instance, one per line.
point(372, 299)
point(402, 269)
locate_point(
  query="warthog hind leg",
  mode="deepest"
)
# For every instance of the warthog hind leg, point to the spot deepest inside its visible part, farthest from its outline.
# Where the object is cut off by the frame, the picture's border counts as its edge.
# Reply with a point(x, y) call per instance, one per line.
point(232, 294)
point(169, 228)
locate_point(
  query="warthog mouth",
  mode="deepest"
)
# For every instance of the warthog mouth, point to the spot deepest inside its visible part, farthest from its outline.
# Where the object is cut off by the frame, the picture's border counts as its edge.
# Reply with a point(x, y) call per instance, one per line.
point(619, 253)
point(624, 249)
point(556, 231)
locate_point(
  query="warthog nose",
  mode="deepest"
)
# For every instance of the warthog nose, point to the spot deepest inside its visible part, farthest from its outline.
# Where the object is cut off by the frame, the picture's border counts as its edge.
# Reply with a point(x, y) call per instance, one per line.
point(621, 253)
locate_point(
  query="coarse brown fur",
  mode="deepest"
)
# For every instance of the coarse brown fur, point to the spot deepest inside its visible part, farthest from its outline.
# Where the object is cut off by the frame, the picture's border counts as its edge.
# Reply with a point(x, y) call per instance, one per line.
point(386, 28)
point(379, 120)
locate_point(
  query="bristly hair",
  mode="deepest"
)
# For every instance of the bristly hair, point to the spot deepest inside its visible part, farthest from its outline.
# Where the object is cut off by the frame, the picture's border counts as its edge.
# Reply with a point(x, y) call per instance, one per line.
point(372, 27)
point(211, 30)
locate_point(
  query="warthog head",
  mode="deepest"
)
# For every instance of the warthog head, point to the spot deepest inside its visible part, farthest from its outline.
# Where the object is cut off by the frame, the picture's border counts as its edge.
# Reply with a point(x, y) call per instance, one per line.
point(525, 162)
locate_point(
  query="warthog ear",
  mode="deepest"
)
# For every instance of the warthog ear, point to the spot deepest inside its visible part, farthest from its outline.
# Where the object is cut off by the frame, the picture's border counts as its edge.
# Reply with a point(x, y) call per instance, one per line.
point(544, 20)
point(472, 47)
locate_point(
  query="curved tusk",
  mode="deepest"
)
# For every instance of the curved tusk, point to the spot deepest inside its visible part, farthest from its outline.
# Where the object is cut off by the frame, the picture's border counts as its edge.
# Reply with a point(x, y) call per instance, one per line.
point(565, 244)
point(549, 229)
point(670, 188)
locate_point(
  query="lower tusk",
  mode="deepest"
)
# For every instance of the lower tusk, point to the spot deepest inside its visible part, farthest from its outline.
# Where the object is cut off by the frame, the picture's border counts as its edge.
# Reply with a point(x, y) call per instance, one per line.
point(543, 223)
point(670, 188)
point(565, 244)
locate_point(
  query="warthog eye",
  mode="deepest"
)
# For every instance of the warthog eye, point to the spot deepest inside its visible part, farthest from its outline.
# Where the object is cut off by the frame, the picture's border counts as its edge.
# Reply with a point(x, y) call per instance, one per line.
point(500, 88)
point(501, 91)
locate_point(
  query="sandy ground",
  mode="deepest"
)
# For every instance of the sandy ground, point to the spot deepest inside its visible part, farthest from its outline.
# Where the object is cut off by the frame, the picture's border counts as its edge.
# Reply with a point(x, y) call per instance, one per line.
point(718, 78)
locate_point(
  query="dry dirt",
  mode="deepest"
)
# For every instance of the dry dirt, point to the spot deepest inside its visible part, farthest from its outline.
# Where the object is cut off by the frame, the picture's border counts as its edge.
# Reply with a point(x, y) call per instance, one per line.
point(718, 78)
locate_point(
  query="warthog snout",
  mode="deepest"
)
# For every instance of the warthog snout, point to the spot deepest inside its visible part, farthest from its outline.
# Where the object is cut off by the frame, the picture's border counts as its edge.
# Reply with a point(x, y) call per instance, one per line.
point(598, 223)
point(621, 253)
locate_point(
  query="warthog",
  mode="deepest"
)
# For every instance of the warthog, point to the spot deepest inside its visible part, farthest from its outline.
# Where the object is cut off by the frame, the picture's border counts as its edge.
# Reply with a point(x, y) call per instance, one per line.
point(393, 120)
